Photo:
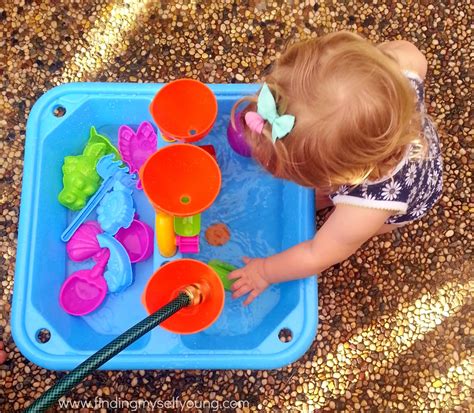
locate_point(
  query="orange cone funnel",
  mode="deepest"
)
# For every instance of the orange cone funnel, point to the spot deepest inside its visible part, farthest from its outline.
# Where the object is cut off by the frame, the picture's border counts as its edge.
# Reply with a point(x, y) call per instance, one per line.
point(170, 279)
point(185, 110)
point(181, 180)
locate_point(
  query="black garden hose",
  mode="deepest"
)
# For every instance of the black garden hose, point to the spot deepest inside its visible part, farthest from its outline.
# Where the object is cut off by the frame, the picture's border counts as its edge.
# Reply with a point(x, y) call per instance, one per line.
point(110, 350)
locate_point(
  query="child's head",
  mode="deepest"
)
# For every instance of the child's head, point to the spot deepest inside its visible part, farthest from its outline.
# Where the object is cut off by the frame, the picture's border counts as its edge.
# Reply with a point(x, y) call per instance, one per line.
point(355, 113)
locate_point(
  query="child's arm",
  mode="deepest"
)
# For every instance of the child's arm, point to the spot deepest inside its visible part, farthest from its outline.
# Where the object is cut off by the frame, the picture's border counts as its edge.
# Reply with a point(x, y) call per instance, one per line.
point(345, 231)
point(408, 56)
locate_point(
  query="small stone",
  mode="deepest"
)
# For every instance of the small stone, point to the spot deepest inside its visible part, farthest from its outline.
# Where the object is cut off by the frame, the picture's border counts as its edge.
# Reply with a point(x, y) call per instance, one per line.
point(437, 384)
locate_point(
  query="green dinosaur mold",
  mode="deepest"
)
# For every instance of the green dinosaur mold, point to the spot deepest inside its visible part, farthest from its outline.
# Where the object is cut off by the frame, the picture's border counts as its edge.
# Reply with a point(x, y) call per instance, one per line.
point(95, 138)
point(80, 178)
point(223, 269)
point(80, 181)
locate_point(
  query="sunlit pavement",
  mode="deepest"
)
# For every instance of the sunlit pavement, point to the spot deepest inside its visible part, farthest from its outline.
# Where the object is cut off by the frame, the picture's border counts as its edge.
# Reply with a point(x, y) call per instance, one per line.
point(396, 330)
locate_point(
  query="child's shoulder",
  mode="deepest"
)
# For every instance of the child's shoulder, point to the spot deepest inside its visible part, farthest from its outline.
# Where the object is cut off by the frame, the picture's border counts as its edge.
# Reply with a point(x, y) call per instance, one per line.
point(408, 56)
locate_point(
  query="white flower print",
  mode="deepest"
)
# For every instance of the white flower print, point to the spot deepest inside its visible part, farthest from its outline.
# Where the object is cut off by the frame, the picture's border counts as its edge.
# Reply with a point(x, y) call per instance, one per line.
point(343, 190)
point(411, 197)
point(366, 194)
point(410, 175)
point(391, 190)
point(426, 128)
point(393, 218)
point(419, 210)
point(429, 178)
point(369, 197)
point(440, 186)
point(433, 147)
point(433, 178)
point(439, 163)
point(423, 174)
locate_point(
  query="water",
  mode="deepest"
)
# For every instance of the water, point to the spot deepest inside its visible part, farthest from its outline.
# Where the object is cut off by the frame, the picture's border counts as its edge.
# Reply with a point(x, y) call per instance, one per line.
point(251, 205)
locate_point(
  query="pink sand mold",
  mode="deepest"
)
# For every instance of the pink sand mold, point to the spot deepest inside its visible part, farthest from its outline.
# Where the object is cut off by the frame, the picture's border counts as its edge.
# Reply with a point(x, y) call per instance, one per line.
point(137, 239)
point(188, 245)
point(83, 244)
point(84, 290)
point(136, 148)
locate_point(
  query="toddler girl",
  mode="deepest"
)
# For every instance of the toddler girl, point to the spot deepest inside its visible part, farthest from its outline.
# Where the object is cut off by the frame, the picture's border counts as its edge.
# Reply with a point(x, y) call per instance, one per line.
point(347, 118)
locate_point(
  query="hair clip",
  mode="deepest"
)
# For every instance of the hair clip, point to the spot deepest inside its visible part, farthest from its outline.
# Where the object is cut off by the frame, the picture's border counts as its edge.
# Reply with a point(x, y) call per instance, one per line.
point(267, 111)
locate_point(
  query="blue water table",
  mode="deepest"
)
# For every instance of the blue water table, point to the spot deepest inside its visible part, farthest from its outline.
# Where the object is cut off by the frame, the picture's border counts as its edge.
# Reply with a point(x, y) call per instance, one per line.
point(264, 215)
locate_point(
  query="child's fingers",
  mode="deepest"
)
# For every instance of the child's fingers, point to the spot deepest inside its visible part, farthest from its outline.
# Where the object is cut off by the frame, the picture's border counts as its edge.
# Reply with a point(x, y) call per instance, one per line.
point(241, 291)
point(252, 296)
point(234, 275)
point(239, 283)
point(246, 260)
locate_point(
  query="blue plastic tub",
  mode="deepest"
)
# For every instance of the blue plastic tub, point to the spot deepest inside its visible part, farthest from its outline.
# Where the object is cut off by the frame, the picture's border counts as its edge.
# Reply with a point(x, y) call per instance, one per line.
point(265, 216)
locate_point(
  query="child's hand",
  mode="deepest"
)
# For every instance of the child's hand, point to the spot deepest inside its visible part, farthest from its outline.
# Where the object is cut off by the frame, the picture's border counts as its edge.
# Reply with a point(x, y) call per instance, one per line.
point(250, 279)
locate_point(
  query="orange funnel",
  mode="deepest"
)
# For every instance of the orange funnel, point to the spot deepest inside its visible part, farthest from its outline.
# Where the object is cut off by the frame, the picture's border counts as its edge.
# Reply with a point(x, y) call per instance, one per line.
point(184, 110)
point(172, 278)
point(181, 180)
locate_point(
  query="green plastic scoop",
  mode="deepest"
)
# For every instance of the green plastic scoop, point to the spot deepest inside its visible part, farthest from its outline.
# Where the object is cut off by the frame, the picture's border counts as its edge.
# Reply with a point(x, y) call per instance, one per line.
point(223, 269)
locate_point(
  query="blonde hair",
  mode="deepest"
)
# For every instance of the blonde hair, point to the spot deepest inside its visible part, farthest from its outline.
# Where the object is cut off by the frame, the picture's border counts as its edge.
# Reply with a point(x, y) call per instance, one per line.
point(355, 113)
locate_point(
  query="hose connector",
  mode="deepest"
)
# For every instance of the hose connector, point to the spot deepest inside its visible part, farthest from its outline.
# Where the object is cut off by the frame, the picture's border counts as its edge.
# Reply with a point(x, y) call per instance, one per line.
point(193, 291)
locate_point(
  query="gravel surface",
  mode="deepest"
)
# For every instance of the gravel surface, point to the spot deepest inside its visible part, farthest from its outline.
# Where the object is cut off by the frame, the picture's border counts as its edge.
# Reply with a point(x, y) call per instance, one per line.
point(396, 327)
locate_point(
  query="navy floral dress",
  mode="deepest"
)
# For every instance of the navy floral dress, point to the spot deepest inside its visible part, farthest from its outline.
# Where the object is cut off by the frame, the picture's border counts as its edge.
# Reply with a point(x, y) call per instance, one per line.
point(413, 187)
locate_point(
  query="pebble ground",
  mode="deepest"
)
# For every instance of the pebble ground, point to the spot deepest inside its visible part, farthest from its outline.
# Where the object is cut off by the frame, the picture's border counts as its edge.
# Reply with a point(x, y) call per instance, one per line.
point(396, 327)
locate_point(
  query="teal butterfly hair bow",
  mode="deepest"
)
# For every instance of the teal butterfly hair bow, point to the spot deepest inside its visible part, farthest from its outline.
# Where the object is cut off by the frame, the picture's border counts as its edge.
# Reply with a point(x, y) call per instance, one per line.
point(267, 110)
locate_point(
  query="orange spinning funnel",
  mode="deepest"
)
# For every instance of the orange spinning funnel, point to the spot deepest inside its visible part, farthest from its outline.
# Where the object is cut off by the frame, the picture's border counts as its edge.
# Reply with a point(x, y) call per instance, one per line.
point(185, 110)
point(181, 180)
point(172, 278)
